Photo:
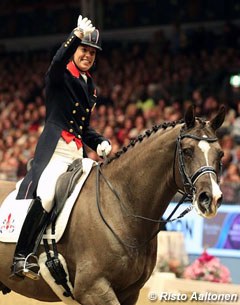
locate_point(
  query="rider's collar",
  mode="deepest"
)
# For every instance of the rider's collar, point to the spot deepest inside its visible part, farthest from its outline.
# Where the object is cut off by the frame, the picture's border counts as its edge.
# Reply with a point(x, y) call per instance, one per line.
point(74, 70)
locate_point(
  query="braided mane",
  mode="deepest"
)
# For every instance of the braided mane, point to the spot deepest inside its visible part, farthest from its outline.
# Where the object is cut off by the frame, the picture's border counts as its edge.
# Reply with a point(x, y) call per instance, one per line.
point(147, 134)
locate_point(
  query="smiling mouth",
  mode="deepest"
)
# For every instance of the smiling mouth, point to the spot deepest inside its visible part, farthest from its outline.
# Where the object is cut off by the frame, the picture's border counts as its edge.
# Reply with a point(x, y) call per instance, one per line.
point(85, 61)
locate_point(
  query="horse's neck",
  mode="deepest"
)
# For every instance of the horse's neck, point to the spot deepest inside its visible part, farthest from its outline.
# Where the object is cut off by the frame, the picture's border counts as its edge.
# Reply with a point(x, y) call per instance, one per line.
point(144, 174)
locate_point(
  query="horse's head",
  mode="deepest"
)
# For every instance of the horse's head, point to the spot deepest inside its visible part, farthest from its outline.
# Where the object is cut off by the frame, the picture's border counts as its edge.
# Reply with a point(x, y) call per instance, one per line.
point(199, 161)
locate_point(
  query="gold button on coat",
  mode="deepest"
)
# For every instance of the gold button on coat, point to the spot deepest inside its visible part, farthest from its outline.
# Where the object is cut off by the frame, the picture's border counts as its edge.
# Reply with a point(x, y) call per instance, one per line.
point(74, 111)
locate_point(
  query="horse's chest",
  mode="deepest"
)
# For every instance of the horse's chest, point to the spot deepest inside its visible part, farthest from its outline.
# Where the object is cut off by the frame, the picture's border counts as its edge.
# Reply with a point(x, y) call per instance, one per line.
point(134, 267)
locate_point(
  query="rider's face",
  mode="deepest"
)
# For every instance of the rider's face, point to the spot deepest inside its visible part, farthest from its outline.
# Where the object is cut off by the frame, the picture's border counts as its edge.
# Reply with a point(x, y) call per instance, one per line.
point(84, 57)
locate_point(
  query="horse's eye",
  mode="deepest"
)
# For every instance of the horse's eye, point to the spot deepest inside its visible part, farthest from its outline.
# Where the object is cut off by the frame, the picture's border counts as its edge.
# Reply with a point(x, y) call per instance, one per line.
point(188, 152)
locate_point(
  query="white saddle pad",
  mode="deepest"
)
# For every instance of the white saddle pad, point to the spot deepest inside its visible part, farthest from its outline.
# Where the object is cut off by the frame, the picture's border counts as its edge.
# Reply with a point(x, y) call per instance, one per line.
point(13, 212)
point(46, 275)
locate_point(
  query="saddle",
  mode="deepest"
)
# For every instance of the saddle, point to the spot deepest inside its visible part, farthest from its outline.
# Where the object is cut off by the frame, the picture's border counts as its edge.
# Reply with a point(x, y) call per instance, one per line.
point(65, 186)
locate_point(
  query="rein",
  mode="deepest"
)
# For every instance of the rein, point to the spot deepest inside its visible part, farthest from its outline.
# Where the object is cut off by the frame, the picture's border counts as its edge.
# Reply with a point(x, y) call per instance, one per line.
point(99, 172)
point(187, 194)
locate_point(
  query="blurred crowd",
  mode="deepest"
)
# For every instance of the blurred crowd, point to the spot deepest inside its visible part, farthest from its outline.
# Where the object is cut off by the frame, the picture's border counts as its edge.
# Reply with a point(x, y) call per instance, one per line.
point(139, 85)
point(45, 17)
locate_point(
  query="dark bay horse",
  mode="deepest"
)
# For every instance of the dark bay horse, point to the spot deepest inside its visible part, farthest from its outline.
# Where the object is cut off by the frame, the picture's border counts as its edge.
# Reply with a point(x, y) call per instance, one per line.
point(109, 243)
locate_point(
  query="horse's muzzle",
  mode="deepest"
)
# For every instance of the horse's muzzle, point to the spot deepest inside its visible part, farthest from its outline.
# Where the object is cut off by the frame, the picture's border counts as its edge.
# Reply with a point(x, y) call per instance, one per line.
point(208, 204)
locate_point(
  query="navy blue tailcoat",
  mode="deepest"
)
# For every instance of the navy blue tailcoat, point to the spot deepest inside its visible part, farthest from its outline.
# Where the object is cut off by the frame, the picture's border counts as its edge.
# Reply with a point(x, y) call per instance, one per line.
point(69, 103)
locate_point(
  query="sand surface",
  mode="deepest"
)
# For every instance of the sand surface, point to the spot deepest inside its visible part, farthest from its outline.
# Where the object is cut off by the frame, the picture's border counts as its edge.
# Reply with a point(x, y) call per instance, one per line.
point(16, 299)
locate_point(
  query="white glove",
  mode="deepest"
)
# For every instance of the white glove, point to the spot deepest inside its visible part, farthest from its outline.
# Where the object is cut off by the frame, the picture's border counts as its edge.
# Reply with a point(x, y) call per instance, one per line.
point(104, 148)
point(85, 25)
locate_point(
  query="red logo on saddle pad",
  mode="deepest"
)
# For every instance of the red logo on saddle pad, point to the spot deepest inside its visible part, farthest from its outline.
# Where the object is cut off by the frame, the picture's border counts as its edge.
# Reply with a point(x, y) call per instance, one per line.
point(7, 225)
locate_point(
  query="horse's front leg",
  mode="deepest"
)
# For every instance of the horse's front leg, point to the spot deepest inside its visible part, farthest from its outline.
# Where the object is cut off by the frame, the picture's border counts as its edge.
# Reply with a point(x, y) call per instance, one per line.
point(99, 293)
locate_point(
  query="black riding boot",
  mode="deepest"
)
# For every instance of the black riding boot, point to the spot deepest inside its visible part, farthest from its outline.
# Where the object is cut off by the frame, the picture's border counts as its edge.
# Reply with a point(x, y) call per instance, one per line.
point(25, 260)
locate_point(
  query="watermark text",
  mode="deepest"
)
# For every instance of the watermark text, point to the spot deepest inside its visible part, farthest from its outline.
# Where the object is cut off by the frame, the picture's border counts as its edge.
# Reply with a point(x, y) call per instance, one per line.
point(194, 297)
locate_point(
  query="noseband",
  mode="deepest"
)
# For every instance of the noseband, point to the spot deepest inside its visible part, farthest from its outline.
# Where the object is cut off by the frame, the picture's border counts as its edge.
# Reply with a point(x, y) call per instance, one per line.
point(189, 181)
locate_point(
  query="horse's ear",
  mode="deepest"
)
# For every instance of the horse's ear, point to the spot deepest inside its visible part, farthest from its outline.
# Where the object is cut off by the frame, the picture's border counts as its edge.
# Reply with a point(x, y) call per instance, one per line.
point(189, 117)
point(218, 120)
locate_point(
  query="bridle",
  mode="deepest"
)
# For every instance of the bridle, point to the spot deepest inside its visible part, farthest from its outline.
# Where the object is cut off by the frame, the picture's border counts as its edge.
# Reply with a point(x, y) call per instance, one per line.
point(189, 181)
point(187, 192)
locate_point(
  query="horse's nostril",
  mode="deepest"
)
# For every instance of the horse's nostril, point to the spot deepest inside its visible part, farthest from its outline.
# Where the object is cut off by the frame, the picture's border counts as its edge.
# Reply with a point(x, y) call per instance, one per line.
point(204, 199)
point(219, 201)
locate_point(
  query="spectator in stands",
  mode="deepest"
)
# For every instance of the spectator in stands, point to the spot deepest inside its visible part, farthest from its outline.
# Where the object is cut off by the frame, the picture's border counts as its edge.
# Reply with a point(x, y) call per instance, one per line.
point(139, 127)
point(226, 160)
point(236, 157)
point(123, 131)
point(70, 98)
point(235, 131)
point(232, 174)
point(227, 142)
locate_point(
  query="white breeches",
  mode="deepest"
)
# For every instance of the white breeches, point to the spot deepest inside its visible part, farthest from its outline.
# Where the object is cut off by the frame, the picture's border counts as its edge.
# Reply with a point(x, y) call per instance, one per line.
point(62, 157)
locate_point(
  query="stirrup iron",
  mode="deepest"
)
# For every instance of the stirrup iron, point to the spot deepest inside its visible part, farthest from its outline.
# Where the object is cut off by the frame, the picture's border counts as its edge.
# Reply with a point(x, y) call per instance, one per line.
point(27, 271)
